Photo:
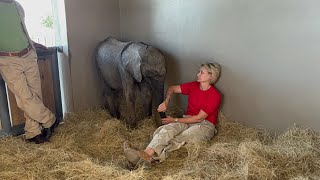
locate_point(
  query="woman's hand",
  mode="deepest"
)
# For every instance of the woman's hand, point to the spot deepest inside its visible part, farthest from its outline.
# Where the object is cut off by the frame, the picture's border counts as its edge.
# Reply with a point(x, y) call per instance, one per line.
point(162, 107)
point(172, 89)
point(167, 120)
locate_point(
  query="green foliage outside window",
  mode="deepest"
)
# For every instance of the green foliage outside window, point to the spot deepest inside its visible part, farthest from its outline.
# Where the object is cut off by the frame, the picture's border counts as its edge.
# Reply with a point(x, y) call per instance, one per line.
point(47, 22)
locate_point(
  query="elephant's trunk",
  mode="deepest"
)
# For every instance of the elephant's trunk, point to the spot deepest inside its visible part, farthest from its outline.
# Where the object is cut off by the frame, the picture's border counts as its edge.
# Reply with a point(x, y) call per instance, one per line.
point(157, 92)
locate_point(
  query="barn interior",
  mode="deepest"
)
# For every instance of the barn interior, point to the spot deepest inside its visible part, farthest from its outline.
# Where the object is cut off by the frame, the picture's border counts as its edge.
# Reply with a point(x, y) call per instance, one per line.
point(268, 121)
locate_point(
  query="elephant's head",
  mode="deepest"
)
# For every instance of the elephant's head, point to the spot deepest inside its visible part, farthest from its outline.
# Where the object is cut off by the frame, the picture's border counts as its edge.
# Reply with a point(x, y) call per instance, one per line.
point(146, 63)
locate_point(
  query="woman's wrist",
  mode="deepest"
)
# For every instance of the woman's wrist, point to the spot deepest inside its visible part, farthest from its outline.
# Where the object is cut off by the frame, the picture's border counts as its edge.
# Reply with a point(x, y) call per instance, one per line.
point(166, 101)
point(176, 120)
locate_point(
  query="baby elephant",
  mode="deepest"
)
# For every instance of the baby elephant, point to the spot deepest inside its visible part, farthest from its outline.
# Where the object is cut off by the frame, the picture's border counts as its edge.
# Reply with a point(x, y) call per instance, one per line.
point(130, 69)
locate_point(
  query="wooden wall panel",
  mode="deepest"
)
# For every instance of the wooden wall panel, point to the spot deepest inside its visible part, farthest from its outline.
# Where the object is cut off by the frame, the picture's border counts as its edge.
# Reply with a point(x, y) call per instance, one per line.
point(47, 84)
point(4, 116)
point(17, 115)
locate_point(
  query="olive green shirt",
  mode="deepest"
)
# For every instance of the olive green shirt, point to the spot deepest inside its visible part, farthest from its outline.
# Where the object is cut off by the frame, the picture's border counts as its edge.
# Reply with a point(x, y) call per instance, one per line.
point(13, 34)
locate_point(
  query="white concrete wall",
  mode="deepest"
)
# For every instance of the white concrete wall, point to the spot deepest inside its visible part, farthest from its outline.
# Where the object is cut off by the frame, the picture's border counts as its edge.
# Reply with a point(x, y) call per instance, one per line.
point(269, 51)
point(88, 22)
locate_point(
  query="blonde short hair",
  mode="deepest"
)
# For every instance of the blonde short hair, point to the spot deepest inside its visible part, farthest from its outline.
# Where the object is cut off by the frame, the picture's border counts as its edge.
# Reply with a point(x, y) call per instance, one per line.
point(214, 69)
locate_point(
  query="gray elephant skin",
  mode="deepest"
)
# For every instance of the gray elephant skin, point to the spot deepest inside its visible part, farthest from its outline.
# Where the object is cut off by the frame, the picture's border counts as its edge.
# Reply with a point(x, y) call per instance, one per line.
point(129, 70)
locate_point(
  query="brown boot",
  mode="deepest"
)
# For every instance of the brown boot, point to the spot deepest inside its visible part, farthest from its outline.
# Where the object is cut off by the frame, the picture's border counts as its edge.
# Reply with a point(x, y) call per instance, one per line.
point(135, 157)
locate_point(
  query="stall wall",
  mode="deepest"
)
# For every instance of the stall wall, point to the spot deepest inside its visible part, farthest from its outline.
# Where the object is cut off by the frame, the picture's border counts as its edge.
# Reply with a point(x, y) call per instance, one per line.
point(268, 49)
point(88, 23)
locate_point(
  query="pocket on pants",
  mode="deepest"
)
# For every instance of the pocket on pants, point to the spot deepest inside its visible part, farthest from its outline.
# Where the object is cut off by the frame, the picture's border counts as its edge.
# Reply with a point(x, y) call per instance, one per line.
point(208, 129)
point(198, 132)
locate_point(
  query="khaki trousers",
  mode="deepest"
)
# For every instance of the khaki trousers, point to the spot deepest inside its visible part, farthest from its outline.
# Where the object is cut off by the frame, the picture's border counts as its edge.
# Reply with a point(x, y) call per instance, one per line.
point(172, 136)
point(21, 75)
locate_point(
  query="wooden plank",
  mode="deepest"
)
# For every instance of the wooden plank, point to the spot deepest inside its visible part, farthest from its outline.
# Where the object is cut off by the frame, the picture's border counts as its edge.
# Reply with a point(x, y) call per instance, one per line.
point(4, 116)
point(17, 115)
point(47, 84)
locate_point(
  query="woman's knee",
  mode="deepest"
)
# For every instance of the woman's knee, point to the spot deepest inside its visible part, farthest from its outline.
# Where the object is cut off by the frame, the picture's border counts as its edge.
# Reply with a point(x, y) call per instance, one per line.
point(199, 133)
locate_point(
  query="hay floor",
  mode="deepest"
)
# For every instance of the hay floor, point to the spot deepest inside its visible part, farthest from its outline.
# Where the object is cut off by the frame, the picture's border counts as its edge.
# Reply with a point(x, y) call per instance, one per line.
point(89, 146)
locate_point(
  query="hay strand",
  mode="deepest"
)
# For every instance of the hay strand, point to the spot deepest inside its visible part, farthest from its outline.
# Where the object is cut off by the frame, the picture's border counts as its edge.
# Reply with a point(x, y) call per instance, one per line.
point(89, 146)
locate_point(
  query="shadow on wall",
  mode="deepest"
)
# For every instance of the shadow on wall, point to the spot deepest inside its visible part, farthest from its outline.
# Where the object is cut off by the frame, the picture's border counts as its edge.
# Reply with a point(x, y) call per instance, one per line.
point(143, 29)
point(172, 77)
point(260, 104)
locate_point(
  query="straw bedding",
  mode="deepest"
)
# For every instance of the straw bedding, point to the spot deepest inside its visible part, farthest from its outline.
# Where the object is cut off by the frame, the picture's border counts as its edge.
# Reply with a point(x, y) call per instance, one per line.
point(89, 146)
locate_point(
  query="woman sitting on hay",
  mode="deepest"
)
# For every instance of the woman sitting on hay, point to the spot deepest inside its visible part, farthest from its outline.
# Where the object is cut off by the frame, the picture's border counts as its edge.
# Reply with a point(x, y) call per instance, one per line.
point(198, 123)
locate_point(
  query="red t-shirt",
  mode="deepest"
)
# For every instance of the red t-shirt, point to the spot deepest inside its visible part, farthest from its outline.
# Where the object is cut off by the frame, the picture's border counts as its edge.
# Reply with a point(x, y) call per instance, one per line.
point(207, 101)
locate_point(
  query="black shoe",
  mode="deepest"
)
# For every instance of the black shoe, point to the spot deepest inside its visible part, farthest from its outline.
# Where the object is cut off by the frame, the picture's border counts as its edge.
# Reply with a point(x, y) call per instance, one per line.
point(47, 132)
point(38, 139)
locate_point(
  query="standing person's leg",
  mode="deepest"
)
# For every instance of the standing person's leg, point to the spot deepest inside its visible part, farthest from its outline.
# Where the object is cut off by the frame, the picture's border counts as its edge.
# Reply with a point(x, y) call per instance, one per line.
point(46, 118)
point(12, 70)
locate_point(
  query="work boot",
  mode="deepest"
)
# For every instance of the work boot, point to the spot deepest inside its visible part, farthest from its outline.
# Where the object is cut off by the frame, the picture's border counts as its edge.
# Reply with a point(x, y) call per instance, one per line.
point(38, 139)
point(47, 132)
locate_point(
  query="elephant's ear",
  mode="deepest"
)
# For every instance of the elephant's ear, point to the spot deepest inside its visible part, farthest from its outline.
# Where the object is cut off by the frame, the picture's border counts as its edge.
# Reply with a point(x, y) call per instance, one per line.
point(131, 60)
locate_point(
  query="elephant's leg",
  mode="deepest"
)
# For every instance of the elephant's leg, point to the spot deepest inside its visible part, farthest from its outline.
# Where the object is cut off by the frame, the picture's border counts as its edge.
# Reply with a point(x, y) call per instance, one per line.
point(130, 111)
point(116, 104)
point(111, 103)
point(146, 98)
point(129, 89)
